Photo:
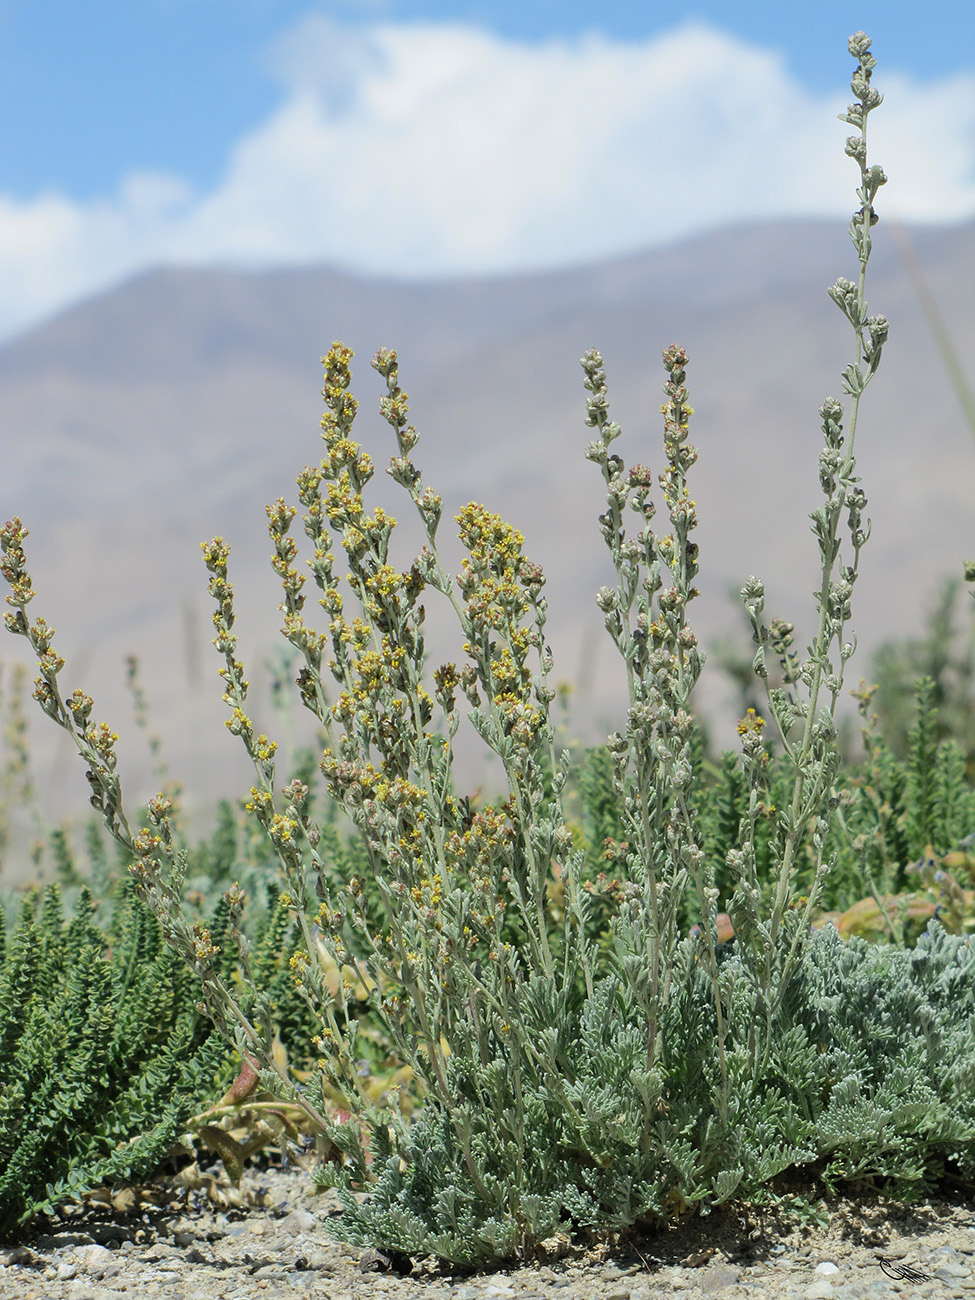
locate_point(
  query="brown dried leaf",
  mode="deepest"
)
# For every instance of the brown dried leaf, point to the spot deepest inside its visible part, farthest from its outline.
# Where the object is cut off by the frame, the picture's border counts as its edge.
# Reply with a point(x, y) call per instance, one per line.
point(220, 1142)
point(865, 918)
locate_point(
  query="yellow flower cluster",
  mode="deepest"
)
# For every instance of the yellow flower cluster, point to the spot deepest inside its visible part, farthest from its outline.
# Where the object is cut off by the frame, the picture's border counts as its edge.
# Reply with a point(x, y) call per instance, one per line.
point(494, 545)
point(102, 740)
point(378, 669)
point(427, 892)
point(511, 679)
point(751, 723)
point(521, 720)
point(343, 453)
point(146, 842)
point(261, 801)
point(358, 782)
point(343, 504)
point(490, 832)
point(386, 581)
point(204, 949)
point(282, 829)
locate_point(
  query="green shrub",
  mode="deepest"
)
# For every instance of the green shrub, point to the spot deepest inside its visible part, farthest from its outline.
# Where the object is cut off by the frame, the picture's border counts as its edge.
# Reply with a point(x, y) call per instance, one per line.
point(103, 1054)
point(586, 1058)
point(892, 1030)
point(105, 1057)
point(941, 655)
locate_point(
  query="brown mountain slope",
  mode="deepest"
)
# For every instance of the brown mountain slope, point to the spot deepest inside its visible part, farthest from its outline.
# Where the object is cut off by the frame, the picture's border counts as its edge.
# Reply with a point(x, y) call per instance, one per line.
point(173, 408)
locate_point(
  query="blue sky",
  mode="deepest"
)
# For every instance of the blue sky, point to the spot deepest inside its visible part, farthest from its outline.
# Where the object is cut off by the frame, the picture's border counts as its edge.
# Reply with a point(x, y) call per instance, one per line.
point(417, 137)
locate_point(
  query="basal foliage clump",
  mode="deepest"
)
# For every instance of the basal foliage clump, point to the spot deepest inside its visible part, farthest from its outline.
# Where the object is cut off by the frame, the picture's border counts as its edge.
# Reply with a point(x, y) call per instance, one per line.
point(577, 1070)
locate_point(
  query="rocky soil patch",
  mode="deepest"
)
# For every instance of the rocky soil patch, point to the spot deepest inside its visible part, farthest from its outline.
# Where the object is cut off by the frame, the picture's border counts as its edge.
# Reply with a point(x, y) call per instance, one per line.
point(274, 1243)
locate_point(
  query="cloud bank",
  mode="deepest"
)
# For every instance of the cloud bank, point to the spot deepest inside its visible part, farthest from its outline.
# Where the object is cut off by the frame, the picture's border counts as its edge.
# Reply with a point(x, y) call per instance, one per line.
point(420, 150)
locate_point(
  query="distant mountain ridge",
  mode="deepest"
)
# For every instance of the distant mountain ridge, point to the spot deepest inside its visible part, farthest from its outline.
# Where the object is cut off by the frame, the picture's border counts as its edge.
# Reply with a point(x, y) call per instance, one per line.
point(728, 266)
point(174, 407)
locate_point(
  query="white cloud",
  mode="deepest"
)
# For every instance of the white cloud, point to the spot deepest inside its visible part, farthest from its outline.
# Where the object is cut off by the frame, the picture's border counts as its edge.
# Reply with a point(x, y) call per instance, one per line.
point(442, 149)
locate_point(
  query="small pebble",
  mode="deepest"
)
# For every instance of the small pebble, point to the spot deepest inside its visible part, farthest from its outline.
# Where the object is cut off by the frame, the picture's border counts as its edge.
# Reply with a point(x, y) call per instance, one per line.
point(299, 1221)
point(93, 1259)
point(951, 1270)
point(716, 1280)
point(821, 1290)
point(271, 1270)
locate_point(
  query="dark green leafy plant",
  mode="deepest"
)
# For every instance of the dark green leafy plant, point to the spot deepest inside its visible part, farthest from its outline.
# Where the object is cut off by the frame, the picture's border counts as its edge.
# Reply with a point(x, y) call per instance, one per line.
point(103, 1053)
point(901, 839)
point(100, 1014)
point(944, 654)
point(901, 831)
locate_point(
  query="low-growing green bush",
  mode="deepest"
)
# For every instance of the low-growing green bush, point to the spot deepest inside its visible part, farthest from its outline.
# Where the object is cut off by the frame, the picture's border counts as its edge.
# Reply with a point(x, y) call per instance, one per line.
point(944, 654)
point(900, 840)
point(586, 1057)
point(108, 1062)
point(103, 1053)
point(892, 1033)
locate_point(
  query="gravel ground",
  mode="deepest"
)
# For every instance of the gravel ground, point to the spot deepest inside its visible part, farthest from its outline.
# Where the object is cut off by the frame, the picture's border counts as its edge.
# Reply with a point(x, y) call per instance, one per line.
point(274, 1244)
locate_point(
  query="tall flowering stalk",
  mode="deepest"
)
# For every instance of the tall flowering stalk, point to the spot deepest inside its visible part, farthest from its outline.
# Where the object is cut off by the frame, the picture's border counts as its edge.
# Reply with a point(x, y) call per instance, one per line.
point(455, 884)
point(647, 621)
point(804, 707)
